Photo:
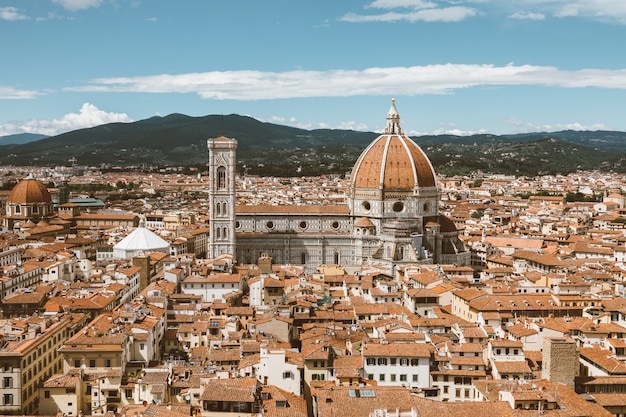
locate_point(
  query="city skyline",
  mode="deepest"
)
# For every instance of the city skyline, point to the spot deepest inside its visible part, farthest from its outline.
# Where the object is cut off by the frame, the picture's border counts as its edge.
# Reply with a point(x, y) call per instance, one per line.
point(454, 67)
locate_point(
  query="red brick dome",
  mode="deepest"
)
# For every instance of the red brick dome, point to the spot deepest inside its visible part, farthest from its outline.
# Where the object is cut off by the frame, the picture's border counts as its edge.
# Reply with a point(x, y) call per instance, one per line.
point(29, 191)
point(393, 161)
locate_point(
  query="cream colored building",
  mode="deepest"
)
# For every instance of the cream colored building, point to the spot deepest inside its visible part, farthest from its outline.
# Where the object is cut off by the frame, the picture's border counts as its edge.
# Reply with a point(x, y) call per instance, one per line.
point(29, 357)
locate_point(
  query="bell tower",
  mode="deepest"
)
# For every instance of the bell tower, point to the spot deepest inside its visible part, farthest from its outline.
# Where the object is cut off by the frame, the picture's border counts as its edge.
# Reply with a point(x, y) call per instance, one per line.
point(222, 170)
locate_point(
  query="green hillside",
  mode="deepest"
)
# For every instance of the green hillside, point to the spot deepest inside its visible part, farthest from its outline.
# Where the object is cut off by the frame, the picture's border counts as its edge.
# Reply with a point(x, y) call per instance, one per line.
point(271, 149)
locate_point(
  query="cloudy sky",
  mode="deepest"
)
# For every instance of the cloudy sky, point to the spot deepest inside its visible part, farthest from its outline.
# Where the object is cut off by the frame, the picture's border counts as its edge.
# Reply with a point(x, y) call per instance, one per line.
point(455, 66)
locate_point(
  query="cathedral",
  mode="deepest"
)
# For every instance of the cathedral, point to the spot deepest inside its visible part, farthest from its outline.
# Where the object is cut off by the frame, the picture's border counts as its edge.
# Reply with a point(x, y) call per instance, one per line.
point(391, 217)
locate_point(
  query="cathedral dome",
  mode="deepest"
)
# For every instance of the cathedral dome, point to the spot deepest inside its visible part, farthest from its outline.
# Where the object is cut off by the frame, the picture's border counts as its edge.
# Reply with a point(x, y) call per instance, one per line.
point(29, 191)
point(393, 162)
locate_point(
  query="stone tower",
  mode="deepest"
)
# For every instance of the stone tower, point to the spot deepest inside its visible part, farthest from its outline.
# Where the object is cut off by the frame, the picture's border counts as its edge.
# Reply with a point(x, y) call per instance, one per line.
point(222, 166)
point(560, 360)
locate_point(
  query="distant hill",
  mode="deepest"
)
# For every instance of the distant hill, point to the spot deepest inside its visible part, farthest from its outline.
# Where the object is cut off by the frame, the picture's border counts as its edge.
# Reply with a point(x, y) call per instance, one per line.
point(271, 149)
point(20, 138)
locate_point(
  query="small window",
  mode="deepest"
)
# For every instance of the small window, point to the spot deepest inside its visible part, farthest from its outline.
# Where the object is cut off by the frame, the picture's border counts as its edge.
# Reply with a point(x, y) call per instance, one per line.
point(269, 225)
point(335, 225)
point(303, 225)
point(398, 207)
point(366, 205)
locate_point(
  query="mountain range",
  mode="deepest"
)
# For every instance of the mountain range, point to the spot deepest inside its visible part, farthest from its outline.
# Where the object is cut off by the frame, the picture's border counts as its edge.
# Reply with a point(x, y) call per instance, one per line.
point(272, 149)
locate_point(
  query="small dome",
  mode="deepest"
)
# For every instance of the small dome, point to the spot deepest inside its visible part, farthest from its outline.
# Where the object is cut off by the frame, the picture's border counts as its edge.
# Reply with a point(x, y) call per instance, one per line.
point(393, 161)
point(29, 191)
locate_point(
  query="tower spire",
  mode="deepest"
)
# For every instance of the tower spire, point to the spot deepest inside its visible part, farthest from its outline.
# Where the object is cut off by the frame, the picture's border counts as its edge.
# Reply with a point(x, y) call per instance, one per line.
point(393, 121)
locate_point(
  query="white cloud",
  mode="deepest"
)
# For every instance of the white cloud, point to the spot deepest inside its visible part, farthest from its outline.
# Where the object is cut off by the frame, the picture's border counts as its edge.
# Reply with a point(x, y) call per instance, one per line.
point(75, 5)
point(527, 16)
point(392, 4)
point(604, 10)
point(431, 79)
point(448, 14)
point(277, 119)
point(11, 13)
point(434, 11)
point(527, 127)
point(10, 93)
point(88, 116)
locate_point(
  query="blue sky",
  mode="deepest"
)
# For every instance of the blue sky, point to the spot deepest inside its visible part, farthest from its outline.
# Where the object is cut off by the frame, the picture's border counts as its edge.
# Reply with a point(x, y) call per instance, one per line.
point(462, 67)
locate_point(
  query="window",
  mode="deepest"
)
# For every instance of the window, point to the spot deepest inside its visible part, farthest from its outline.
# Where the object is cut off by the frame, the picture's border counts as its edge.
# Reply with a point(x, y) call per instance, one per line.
point(142, 346)
point(221, 178)
point(371, 361)
point(8, 382)
point(445, 389)
point(393, 361)
point(288, 375)
point(92, 363)
point(46, 394)
point(415, 362)
point(8, 399)
point(76, 363)
point(404, 362)
point(107, 363)
point(403, 377)
point(381, 377)
point(382, 361)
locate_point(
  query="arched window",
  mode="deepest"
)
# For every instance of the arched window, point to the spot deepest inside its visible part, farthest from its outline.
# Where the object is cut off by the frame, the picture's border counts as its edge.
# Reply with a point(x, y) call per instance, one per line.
point(225, 233)
point(336, 258)
point(221, 178)
point(218, 232)
point(218, 209)
point(303, 258)
point(224, 209)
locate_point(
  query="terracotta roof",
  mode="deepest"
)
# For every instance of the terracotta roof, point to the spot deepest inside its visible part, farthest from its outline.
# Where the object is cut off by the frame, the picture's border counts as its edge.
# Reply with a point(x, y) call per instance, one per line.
point(29, 191)
point(230, 390)
point(409, 350)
